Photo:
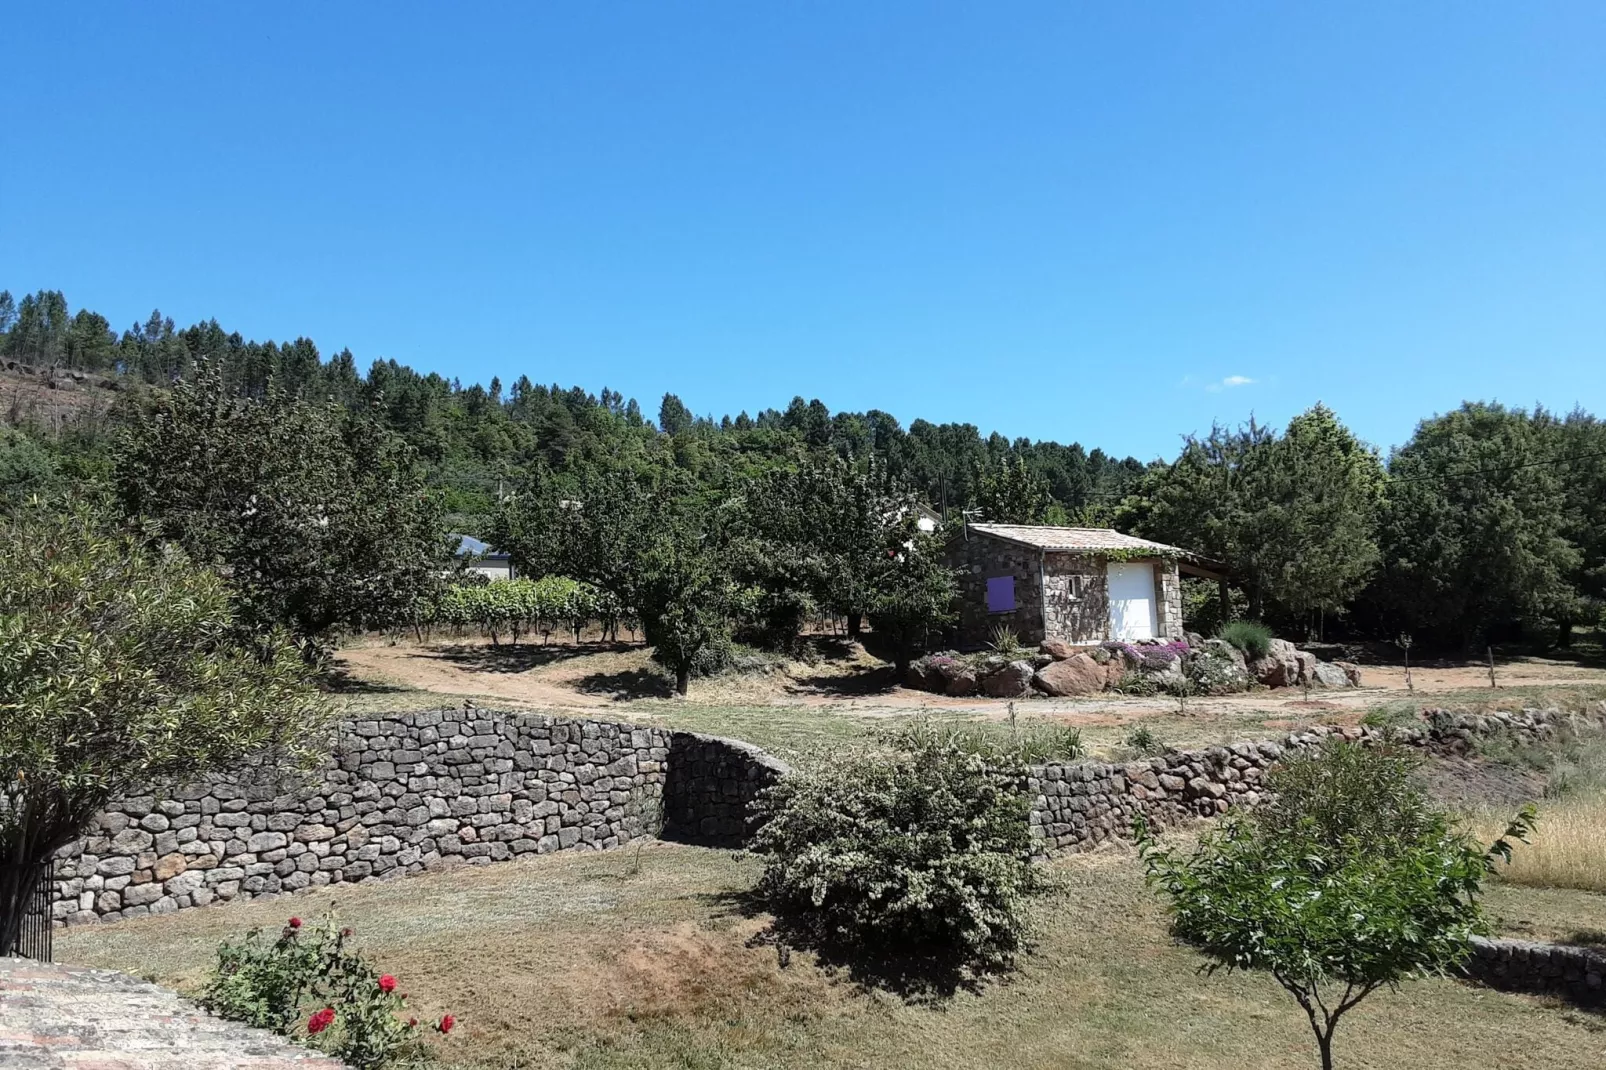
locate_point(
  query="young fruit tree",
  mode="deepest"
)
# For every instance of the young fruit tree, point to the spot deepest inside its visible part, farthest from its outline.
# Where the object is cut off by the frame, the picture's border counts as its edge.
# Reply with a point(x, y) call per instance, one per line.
point(121, 667)
point(1352, 880)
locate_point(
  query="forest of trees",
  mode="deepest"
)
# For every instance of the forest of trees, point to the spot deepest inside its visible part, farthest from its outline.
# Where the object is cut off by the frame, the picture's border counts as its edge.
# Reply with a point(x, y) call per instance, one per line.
point(1488, 525)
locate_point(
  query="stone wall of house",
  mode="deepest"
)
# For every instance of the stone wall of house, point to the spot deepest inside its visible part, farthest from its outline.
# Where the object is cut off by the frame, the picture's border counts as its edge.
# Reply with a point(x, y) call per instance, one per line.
point(1078, 805)
point(979, 558)
point(1576, 974)
point(1077, 597)
point(710, 788)
point(1168, 606)
point(404, 793)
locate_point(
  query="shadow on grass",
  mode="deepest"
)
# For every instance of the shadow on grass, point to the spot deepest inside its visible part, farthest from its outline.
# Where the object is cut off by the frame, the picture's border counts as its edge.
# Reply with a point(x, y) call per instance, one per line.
point(337, 680)
point(881, 680)
point(627, 684)
point(526, 655)
point(915, 975)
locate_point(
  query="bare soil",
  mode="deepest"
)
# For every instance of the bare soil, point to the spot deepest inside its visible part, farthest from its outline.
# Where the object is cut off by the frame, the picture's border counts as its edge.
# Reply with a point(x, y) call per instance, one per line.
point(593, 674)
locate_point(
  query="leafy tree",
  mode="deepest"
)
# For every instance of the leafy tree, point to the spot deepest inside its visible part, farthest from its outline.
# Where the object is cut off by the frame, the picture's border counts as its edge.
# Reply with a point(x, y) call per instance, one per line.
point(120, 670)
point(1473, 532)
point(1009, 494)
point(683, 599)
point(921, 855)
point(318, 516)
point(1292, 516)
point(912, 594)
point(1579, 444)
point(1351, 882)
point(819, 528)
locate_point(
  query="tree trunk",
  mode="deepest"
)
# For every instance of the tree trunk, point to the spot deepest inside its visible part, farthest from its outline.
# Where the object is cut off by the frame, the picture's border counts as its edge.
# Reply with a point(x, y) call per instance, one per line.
point(1564, 635)
point(682, 681)
point(1324, 1041)
point(855, 620)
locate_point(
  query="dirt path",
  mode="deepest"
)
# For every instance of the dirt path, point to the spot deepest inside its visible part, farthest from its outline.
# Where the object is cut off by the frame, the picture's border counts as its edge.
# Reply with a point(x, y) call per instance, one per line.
point(596, 675)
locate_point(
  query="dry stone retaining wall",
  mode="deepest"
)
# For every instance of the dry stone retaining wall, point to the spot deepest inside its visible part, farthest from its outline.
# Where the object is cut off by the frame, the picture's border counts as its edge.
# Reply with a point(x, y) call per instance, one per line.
point(711, 786)
point(1076, 806)
point(1577, 974)
point(404, 793)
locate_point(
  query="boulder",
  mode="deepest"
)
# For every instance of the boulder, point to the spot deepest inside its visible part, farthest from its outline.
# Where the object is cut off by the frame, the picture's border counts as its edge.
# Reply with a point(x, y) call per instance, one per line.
point(961, 683)
point(1220, 648)
point(1280, 666)
point(1010, 681)
point(923, 676)
point(1352, 671)
point(1327, 674)
point(1080, 675)
point(1058, 649)
point(1306, 671)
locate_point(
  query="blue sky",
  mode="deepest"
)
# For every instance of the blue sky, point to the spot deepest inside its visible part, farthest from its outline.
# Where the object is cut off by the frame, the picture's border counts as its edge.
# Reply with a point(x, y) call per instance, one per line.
point(1112, 223)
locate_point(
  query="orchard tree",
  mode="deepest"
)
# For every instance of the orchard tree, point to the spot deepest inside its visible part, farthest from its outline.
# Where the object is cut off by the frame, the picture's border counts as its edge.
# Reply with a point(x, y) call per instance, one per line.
point(319, 517)
point(683, 599)
point(120, 669)
point(819, 528)
point(912, 594)
point(1474, 528)
point(1352, 881)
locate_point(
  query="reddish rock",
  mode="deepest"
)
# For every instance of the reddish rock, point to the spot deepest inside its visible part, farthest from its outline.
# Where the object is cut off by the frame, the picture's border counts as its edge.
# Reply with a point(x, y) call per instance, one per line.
point(961, 683)
point(1058, 649)
point(1079, 675)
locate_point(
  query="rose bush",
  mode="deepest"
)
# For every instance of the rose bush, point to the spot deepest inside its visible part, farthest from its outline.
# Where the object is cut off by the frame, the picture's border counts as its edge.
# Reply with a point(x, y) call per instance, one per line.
point(273, 984)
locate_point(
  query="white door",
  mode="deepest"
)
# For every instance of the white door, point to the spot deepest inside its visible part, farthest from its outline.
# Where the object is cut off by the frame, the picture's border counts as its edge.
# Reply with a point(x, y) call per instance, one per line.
point(1132, 612)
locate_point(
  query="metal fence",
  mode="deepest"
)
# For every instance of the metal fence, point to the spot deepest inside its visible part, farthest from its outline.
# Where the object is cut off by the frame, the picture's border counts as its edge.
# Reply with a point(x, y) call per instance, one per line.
point(34, 940)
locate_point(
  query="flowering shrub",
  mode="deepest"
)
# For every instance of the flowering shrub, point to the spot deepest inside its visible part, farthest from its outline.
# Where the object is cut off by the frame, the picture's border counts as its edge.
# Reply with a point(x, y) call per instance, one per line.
point(922, 852)
point(1157, 656)
point(272, 984)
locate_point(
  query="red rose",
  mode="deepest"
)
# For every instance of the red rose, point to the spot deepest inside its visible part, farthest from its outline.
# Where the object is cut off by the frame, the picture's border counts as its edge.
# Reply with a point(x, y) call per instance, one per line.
point(348, 931)
point(295, 923)
point(387, 983)
point(321, 1020)
point(447, 1021)
point(412, 1023)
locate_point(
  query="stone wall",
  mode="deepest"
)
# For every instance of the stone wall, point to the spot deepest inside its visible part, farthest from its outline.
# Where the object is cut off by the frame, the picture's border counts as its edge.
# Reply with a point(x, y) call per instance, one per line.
point(1168, 604)
point(1576, 974)
point(1078, 805)
point(402, 793)
point(711, 784)
point(1077, 597)
point(979, 558)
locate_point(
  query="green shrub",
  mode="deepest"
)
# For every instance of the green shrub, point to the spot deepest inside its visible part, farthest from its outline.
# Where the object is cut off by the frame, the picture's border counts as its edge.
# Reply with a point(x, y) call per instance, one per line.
point(309, 984)
point(1143, 740)
point(1251, 637)
point(1005, 642)
point(1135, 683)
point(918, 853)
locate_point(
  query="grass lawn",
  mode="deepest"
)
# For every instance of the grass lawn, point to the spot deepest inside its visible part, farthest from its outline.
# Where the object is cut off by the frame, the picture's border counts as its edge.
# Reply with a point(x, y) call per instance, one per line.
point(617, 960)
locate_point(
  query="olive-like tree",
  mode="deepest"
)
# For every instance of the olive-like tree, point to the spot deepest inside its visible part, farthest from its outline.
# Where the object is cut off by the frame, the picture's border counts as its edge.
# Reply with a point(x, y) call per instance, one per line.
point(912, 594)
point(121, 668)
point(1352, 881)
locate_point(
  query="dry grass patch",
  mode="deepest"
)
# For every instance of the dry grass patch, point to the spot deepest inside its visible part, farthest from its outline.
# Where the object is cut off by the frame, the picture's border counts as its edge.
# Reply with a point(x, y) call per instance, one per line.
point(1568, 848)
point(588, 961)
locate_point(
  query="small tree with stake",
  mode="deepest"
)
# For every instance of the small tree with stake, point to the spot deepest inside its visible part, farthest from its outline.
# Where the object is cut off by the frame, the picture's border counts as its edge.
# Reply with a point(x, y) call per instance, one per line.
point(120, 668)
point(1351, 881)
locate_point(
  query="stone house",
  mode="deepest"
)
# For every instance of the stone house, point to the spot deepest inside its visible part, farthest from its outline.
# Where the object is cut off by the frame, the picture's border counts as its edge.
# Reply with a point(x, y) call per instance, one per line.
point(1079, 585)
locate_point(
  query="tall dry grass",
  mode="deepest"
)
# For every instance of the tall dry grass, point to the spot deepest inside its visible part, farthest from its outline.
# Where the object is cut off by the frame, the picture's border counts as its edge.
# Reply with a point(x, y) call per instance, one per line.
point(1568, 848)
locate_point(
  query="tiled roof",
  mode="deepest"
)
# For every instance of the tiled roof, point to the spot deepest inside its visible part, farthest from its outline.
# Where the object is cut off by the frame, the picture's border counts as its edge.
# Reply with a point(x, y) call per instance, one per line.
point(1084, 540)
